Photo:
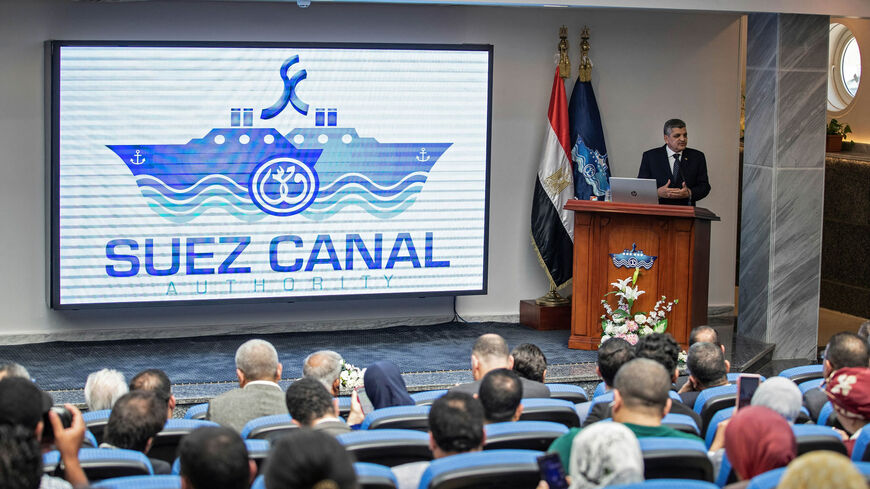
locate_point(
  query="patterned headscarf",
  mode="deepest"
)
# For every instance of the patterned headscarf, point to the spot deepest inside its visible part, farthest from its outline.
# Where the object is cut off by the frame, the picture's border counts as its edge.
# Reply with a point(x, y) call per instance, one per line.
point(604, 454)
point(849, 392)
point(822, 468)
point(758, 439)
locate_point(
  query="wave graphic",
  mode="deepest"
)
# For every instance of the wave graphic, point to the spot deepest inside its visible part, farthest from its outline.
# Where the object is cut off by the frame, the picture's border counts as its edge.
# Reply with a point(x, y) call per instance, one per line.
point(417, 176)
point(359, 201)
point(211, 197)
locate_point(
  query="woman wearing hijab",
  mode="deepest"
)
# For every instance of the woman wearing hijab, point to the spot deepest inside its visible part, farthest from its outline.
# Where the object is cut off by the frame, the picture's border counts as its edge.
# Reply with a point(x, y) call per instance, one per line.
point(385, 386)
point(758, 439)
point(822, 468)
point(605, 454)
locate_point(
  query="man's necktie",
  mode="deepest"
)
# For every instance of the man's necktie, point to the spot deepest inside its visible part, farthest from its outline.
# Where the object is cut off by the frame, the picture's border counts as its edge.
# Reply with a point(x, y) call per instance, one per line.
point(678, 180)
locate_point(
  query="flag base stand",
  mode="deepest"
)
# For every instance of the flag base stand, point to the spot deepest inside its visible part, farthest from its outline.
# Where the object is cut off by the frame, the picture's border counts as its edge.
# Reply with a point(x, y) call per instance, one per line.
point(545, 317)
point(552, 299)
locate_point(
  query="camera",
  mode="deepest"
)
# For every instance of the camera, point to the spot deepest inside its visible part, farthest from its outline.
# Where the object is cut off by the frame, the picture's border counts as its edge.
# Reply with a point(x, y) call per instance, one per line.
point(48, 429)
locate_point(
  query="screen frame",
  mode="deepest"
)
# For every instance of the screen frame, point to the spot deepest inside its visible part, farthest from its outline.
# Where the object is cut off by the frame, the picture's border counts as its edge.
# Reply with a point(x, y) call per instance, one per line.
point(53, 51)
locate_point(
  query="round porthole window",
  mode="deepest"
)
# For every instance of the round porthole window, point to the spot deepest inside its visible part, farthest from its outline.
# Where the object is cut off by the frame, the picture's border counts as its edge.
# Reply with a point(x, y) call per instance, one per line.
point(844, 76)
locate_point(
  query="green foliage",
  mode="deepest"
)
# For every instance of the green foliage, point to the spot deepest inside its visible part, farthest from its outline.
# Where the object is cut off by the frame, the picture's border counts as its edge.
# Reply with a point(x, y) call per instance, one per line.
point(836, 129)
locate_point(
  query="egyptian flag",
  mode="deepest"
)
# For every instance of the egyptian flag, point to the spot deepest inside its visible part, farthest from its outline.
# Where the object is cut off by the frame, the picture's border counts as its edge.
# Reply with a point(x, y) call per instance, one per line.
point(588, 151)
point(552, 225)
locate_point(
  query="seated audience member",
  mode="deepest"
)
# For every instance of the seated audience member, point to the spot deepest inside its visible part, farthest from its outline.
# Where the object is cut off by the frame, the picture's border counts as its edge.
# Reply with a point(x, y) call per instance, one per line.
point(707, 368)
point(822, 469)
point(135, 419)
point(103, 388)
point(501, 395)
point(156, 381)
point(13, 369)
point(780, 395)
point(312, 406)
point(844, 350)
point(640, 401)
point(490, 352)
point(849, 391)
point(455, 426)
point(307, 459)
point(705, 334)
point(259, 394)
point(663, 349)
point(605, 454)
point(212, 457)
point(612, 354)
point(20, 458)
point(530, 362)
point(864, 330)
point(758, 439)
point(385, 386)
point(22, 404)
point(325, 367)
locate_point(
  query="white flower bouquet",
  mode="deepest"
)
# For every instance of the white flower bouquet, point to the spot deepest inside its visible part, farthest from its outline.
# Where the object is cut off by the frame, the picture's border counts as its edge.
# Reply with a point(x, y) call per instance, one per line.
point(351, 377)
point(622, 323)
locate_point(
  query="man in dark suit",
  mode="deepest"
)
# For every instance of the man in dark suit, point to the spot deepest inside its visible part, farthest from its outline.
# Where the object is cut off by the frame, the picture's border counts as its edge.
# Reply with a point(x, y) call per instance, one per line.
point(680, 172)
point(259, 394)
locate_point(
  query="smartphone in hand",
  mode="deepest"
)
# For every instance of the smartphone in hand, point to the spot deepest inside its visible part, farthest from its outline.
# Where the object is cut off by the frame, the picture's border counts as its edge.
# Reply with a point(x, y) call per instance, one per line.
point(746, 387)
point(552, 471)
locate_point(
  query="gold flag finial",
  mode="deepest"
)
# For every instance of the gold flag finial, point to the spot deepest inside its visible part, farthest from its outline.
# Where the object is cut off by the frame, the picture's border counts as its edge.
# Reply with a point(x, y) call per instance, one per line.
point(564, 60)
point(585, 62)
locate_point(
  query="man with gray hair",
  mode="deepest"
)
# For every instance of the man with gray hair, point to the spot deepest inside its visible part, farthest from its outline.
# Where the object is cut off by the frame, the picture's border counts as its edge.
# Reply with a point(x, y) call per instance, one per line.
point(490, 352)
point(325, 367)
point(258, 371)
point(680, 172)
point(12, 369)
point(103, 388)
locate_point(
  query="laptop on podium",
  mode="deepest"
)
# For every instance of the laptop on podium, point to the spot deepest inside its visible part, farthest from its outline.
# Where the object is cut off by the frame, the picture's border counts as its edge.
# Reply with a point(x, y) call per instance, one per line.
point(634, 190)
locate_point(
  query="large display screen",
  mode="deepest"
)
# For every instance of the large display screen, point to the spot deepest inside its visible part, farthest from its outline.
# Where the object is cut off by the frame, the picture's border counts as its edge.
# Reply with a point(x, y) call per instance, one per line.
point(209, 172)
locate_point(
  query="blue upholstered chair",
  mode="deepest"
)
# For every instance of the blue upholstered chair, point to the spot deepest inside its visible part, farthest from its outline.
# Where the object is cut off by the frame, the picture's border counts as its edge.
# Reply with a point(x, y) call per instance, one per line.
point(803, 374)
point(714, 399)
point(812, 437)
point(373, 476)
point(555, 410)
point(523, 435)
point(675, 458)
point(165, 444)
point(108, 463)
point(667, 484)
point(600, 389)
point(567, 392)
point(427, 397)
point(96, 422)
point(197, 411)
point(398, 417)
point(827, 416)
point(141, 482)
point(268, 427)
point(389, 447)
point(506, 469)
point(713, 425)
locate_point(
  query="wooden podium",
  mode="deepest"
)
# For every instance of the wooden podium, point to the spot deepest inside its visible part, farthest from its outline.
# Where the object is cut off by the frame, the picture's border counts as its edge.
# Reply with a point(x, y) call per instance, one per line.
point(679, 236)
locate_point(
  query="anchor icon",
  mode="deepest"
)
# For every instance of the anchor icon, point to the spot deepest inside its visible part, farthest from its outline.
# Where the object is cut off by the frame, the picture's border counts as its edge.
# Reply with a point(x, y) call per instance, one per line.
point(139, 158)
point(423, 156)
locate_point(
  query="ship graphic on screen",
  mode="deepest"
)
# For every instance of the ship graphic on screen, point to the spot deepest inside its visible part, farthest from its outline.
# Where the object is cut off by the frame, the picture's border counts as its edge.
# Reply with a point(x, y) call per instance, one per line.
point(251, 172)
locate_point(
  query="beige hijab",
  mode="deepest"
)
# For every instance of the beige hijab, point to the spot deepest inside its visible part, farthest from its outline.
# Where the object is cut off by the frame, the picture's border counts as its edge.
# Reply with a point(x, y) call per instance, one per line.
point(604, 454)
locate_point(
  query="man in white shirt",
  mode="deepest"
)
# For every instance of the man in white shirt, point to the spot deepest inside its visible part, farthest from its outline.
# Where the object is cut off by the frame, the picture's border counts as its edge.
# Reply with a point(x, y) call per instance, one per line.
point(258, 395)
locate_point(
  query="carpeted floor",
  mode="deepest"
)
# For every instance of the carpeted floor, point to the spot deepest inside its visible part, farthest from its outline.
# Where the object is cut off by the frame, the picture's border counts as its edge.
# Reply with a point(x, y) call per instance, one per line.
point(65, 365)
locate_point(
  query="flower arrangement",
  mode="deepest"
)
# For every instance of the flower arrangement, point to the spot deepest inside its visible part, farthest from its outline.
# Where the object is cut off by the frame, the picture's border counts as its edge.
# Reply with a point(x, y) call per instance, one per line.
point(351, 377)
point(622, 323)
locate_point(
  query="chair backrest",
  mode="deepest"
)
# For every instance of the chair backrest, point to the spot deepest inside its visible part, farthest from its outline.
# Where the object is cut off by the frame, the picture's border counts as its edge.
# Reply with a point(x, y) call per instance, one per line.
point(667, 484)
point(812, 437)
point(343, 405)
point(732, 377)
point(804, 373)
point(682, 422)
point(108, 463)
point(809, 385)
point(523, 435)
point(141, 482)
point(96, 422)
point(726, 473)
point(197, 411)
point(714, 399)
point(373, 476)
point(388, 447)
point(767, 480)
point(555, 410)
point(258, 451)
point(827, 415)
point(90, 440)
point(398, 417)
point(864, 468)
point(165, 444)
point(426, 398)
point(567, 392)
point(675, 458)
point(493, 469)
point(713, 425)
point(268, 427)
point(600, 389)
point(259, 483)
point(859, 451)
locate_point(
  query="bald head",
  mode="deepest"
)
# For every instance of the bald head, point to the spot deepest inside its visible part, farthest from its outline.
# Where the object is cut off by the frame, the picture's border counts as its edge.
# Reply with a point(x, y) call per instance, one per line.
point(703, 334)
point(643, 386)
point(489, 352)
point(846, 349)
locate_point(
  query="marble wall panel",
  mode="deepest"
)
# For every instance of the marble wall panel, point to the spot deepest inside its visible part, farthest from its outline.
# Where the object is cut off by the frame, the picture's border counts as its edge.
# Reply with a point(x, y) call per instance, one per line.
point(801, 119)
point(799, 39)
point(755, 242)
point(759, 139)
point(762, 40)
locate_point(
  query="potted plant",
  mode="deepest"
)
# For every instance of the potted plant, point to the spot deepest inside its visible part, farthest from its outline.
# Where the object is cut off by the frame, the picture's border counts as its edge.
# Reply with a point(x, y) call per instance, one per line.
point(836, 133)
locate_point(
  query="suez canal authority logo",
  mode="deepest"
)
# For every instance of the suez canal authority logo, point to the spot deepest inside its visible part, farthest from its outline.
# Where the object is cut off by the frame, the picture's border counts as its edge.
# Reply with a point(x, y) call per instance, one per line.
point(253, 172)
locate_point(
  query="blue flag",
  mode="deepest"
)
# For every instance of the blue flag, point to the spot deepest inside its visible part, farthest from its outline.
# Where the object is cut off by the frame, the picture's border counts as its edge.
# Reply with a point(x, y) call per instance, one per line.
point(588, 151)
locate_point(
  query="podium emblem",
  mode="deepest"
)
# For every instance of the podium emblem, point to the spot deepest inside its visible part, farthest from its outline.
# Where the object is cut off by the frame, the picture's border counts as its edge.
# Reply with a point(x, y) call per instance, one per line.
point(633, 258)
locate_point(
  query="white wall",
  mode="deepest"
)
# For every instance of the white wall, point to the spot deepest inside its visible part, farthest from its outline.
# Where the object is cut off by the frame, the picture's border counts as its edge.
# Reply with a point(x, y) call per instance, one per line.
point(857, 114)
point(649, 66)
